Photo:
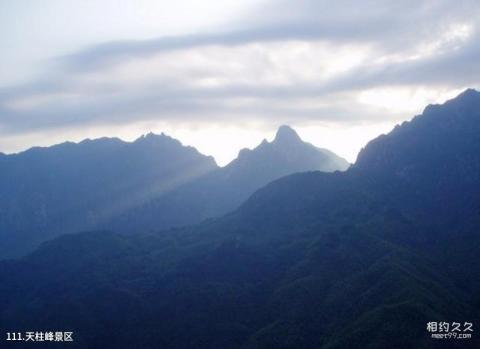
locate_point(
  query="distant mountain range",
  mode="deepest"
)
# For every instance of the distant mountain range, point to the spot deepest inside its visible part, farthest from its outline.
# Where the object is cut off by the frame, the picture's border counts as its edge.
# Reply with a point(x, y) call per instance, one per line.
point(358, 259)
point(224, 189)
point(154, 182)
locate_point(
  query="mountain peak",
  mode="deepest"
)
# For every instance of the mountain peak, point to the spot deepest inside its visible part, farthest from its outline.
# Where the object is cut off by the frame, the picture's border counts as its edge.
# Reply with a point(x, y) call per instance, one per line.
point(151, 135)
point(414, 143)
point(286, 134)
point(152, 138)
point(467, 97)
point(469, 92)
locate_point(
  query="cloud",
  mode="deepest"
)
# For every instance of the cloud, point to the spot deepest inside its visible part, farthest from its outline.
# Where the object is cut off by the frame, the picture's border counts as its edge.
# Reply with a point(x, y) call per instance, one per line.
point(388, 24)
point(288, 62)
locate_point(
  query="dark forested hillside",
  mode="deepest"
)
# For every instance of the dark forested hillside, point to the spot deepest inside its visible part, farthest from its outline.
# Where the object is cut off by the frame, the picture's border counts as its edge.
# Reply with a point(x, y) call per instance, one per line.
point(357, 259)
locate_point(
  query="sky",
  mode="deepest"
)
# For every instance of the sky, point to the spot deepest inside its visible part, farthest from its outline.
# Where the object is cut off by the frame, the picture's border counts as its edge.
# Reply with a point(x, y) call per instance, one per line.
point(223, 75)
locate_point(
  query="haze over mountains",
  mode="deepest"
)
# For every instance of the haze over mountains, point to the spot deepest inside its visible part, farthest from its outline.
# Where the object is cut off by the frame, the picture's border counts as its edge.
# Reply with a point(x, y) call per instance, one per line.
point(226, 188)
point(358, 259)
point(152, 183)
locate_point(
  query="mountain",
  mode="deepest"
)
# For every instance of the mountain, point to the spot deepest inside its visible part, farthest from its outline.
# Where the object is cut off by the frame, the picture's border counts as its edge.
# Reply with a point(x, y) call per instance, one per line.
point(285, 155)
point(70, 187)
point(154, 182)
point(357, 259)
point(223, 190)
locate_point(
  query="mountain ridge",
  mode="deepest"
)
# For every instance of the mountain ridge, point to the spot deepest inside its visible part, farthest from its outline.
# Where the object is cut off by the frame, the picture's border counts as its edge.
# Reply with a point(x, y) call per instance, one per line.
point(226, 188)
point(71, 186)
point(351, 259)
point(108, 183)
